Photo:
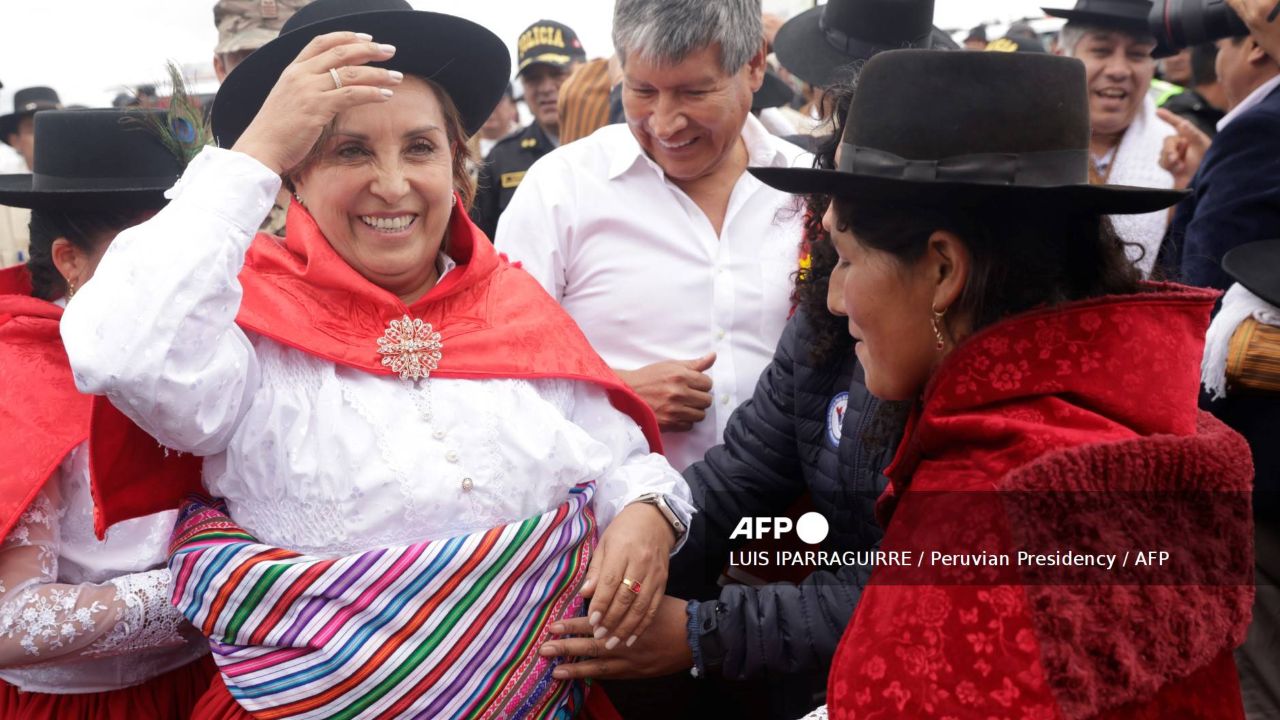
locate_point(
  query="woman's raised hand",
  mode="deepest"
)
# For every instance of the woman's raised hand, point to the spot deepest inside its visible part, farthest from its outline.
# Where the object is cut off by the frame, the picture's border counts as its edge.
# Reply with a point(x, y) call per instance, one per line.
point(308, 95)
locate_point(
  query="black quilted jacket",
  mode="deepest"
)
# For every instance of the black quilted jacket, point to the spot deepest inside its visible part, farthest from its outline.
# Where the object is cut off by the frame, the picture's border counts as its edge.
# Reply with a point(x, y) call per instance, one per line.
point(778, 446)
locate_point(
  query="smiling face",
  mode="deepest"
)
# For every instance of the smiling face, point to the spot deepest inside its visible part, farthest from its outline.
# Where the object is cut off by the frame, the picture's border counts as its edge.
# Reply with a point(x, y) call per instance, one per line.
point(888, 305)
point(688, 117)
point(380, 186)
point(1118, 69)
point(541, 84)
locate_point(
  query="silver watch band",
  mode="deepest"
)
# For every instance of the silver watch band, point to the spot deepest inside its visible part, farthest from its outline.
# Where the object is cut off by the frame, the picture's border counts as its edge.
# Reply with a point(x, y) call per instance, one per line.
point(659, 501)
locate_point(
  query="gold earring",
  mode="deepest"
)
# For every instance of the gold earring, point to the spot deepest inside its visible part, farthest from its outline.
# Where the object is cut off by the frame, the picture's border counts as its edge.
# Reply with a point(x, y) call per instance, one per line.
point(937, 327)
point(298, 197)
point(71, 289)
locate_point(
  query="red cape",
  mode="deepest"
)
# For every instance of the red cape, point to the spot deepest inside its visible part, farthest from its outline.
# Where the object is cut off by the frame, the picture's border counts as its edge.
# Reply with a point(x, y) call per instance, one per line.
point(495, 321)
point(43, 416)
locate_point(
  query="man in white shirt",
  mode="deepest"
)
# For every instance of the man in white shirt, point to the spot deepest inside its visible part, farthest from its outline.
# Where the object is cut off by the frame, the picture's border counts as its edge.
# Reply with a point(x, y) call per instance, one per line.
point(676, 262)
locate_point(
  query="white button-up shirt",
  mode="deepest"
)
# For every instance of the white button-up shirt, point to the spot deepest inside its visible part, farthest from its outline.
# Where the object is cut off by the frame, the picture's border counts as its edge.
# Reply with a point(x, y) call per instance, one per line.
point(640, 268)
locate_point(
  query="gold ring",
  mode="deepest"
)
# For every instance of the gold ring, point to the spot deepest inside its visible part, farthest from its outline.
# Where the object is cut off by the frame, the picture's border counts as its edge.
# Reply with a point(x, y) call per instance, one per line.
point(337, 81)
point(632, 585)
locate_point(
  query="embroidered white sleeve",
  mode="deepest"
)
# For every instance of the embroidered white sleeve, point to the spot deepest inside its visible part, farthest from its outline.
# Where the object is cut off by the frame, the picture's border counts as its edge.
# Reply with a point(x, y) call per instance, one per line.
point(819, 713)
point(42, 619)
point(167, 351)
point(150, 620)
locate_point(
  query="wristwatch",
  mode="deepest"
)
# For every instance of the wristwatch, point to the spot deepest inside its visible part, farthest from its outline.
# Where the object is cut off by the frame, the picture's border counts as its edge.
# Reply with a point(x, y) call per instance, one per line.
point(659, 501)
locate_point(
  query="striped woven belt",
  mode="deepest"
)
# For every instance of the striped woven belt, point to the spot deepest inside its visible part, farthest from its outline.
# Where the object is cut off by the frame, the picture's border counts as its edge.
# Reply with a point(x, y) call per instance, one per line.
point(444, 628)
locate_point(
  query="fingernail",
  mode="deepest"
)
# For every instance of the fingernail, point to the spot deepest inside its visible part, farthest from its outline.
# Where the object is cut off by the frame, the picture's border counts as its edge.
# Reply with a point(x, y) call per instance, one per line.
point(560, 674)
point(557, 628)
point(364, 36)
point(386, 92)
point(595, 619)
point(632, 640)
point(386, 48)
point(601, 632)
point(396, 75)
point(613, 643)
point(549, 650)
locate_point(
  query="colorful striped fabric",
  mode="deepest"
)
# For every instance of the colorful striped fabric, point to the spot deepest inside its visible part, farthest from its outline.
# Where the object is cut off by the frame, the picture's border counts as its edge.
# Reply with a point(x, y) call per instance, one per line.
point(439, 629)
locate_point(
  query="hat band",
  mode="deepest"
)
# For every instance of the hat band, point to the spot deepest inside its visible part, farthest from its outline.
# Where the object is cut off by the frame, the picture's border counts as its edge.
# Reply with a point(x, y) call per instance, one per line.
point(56, 183)
point(855, 48)
point(1047, 168)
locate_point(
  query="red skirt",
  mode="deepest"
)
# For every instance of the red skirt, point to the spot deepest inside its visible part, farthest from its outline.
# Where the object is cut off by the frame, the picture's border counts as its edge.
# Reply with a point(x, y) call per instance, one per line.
point(171, 695)
point(217, 704)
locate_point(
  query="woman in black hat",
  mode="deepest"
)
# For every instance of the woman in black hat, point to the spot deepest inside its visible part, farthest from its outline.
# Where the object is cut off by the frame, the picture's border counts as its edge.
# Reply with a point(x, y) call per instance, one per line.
point(86, 627)
point(1055, 426)
point(412, 442)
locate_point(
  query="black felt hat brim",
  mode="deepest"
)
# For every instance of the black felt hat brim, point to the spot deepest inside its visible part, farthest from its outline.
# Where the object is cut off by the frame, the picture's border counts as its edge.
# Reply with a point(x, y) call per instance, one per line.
point(16, 191)
point(1131, 25)
point(1256, 266)
point(1084, 199)
point(803, 50)
point(468, 61)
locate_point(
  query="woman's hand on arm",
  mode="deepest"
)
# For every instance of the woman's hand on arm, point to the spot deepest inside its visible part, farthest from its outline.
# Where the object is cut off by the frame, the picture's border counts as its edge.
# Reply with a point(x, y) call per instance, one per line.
point(628, 574)
point(306, 98)
point(661, 651)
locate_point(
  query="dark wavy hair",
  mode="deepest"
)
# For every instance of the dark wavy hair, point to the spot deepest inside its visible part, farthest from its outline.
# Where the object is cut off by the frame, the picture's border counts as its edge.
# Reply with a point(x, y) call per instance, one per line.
point(86, 230)
point(830, 332)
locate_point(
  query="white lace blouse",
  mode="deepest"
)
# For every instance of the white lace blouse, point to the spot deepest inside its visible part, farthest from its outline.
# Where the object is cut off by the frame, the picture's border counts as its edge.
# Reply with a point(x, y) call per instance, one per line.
point(79, 615)
point(314, 456)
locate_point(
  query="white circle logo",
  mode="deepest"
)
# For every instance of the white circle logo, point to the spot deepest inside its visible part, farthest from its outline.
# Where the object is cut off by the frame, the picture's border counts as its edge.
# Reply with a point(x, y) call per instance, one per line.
point(812, 528)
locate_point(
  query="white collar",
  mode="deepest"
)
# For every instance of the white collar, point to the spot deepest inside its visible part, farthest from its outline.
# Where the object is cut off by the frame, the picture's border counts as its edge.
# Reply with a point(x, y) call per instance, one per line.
point(444, 264)
point(1257, 96)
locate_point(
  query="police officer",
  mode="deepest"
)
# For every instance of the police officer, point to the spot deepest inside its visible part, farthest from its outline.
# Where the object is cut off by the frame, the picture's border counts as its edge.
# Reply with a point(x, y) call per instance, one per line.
point(548, 52)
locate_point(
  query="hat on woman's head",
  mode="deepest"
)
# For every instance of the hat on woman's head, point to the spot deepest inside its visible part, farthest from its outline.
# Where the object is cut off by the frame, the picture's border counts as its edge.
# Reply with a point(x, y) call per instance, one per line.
point(819, 45)
point(1256, 266)
point(95, 160)
point(467, 60)
point(963, 128)
point(1125, 15)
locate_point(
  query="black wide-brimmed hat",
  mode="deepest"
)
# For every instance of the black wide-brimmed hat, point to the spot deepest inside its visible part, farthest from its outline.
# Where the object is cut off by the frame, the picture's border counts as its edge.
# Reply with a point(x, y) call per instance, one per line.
point(1256, 266)
point(964, 128)
point(468, 61)
point(95, 160)
point(27, 101)
point(819, 45)
point(1126, 15)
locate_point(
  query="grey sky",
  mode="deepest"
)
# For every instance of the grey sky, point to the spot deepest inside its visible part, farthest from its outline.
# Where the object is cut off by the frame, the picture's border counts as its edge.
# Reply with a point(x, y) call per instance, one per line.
point(89, 49)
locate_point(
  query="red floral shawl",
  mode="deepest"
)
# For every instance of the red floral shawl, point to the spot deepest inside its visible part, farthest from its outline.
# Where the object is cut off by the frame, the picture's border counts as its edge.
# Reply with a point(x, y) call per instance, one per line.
point(495, 321)
point(1055, 429)
point(42, 416)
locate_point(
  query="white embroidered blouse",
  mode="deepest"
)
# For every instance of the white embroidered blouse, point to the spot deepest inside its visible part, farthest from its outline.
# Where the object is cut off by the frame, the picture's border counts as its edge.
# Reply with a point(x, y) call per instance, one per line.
point(79, 615)
point(310, 455)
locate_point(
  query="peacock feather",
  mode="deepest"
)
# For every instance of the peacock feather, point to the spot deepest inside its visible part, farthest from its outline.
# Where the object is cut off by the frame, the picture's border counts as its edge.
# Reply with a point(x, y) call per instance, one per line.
point(183, 130)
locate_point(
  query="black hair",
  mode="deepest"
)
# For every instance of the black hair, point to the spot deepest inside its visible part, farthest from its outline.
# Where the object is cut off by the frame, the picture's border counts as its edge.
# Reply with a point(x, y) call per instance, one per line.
point(1023, 256)
point(830, 332)
point(87, 230)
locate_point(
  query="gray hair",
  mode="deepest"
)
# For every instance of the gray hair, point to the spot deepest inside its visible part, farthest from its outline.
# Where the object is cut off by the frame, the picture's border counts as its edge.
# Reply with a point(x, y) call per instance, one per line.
point(1073, 32)
point(665, 32)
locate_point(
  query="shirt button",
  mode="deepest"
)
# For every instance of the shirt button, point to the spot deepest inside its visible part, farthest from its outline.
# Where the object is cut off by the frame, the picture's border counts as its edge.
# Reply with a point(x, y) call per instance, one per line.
point(724, 399)
point(451, 456)
point(720, 334)
point(467, 484)
point(438, 434)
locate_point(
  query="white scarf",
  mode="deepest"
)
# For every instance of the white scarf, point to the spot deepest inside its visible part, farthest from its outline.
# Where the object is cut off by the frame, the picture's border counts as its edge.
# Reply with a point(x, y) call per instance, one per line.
point(1137, 163)
point(1238, 305)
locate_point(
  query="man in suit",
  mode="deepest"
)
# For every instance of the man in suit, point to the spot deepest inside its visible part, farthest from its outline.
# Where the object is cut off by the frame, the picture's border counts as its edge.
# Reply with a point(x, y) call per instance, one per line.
point(1235, 193)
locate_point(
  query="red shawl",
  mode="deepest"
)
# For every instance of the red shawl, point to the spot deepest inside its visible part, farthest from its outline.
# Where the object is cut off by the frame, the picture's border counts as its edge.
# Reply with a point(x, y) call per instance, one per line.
point(1069, 428)
point(42, 415)
point(495, 321)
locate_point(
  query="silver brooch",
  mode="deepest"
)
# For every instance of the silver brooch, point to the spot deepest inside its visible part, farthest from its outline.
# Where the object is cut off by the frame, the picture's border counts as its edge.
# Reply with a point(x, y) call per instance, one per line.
point(410, 347)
